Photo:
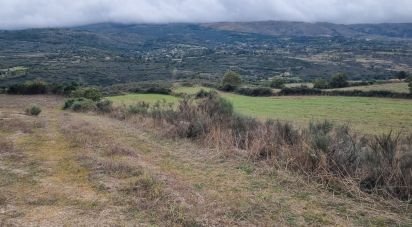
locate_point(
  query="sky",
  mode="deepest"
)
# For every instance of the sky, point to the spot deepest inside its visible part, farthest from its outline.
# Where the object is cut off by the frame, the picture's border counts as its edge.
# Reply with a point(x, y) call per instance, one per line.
point(17, 14)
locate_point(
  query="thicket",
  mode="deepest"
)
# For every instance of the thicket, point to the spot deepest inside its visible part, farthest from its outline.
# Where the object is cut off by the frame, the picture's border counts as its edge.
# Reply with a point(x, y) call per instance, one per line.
point(40, 87)
point(330, 154)
point(356, 93)
point(254, 91)
point(155, 87)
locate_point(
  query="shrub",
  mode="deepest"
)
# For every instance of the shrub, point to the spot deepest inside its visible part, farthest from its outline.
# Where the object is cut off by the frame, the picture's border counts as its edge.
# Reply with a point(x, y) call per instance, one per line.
point(33, 110)
point(303, 90)
point(320, 135)
point(340, 80)
point(277, 83)
point(87, 93)
point(231, 80)
point(255, 91)
point(320, 84)
point(104, 106)
point(203, 93)
point(28, 88)
point(83, 105)
point(139, 108)
point(68, 104)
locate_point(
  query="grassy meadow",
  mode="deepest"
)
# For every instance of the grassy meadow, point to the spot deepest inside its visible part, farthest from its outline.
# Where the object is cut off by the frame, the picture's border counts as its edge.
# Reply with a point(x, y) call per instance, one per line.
point(367, 115)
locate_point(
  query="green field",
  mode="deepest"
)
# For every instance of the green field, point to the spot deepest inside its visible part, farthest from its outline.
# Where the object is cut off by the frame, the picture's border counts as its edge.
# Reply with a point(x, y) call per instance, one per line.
point(393, 87)
point(368, 115)
point(149, 98)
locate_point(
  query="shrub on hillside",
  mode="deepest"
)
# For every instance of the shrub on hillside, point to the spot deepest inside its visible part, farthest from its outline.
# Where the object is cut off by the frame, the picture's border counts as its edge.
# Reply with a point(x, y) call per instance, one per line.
point(28, 88)
point(33, 110)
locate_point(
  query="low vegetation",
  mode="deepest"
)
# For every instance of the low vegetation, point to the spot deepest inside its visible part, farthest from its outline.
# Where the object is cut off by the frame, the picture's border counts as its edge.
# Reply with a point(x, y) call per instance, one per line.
point(329, 154)
point(33, 110)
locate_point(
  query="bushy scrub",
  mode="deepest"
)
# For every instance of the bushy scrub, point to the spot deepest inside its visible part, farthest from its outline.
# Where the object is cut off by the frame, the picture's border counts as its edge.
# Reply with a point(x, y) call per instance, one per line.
point(80, 105)
point(104, 106)
point(88, 93)
point(33, 110)
point(255, 91)
point(330, 154)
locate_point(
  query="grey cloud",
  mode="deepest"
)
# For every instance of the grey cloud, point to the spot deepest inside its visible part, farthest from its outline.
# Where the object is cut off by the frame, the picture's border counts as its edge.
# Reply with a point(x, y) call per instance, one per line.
point(53, 13)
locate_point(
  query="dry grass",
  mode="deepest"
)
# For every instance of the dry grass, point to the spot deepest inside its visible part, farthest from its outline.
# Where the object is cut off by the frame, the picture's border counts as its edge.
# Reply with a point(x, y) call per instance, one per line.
point(84, 169)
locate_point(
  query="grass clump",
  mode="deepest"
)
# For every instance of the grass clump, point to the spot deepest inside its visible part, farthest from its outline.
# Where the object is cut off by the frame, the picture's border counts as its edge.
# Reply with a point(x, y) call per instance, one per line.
point(33, 110)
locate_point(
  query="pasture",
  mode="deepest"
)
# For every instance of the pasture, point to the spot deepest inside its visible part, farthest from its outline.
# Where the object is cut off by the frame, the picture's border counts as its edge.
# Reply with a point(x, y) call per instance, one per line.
point(366, 115)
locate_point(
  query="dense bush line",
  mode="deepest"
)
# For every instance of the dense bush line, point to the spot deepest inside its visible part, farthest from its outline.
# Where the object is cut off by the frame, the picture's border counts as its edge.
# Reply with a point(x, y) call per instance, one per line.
point(254, 91)
point(330, 154)
point(358, 93)
point(40, 87)
point(155, 87)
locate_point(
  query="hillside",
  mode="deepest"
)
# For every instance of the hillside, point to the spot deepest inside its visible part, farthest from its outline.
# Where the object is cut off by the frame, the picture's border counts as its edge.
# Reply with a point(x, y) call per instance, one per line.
point(105, 54)
point(299, 29)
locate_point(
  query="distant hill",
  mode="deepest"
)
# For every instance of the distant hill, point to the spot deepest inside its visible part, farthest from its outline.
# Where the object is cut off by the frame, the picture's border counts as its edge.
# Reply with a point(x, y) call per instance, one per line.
point(105, 54)
point(284, 28)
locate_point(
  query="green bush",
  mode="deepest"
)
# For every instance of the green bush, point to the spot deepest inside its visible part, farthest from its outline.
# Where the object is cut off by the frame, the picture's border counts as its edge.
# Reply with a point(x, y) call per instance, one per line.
point(277, 83)
point(28, 88)
point(231, 80)
point(255, 91)
point(340, 80)
point(81, 105)
point(87, 93)
point(33, 110)
point(68, 104)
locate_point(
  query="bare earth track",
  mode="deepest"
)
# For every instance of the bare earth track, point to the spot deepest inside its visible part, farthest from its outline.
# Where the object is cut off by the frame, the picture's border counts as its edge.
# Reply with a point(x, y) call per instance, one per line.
point(64, 168)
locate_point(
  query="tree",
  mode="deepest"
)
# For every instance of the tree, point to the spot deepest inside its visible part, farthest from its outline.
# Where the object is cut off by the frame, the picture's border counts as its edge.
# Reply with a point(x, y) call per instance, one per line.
point(321, 84)
point(402, 75)
point(340, 80)
point(277, 83)
point(231, 81)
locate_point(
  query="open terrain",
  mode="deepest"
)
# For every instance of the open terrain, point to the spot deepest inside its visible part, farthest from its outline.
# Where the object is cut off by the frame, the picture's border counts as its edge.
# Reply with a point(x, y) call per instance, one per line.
point(65, 168)
point(367, 115)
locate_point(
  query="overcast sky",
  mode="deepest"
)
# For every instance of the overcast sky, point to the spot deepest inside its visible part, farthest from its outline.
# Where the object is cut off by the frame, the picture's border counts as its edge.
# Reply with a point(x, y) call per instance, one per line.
point(52, 13)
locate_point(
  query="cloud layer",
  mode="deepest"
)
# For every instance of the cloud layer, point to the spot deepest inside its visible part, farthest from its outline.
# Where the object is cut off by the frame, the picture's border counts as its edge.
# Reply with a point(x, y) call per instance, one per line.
point(55, 13)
